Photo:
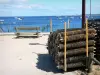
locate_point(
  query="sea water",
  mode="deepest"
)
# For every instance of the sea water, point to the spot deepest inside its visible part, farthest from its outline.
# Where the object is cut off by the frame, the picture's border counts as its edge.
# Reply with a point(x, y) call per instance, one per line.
point(8, 24)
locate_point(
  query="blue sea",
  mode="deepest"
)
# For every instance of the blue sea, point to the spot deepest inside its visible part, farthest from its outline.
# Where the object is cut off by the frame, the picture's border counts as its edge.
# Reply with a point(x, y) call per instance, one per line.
point(8, 24)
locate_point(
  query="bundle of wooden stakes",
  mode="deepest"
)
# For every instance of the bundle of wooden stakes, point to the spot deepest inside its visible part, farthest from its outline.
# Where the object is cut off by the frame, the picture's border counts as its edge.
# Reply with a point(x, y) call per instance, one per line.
point(96, 24)
point(75, 47)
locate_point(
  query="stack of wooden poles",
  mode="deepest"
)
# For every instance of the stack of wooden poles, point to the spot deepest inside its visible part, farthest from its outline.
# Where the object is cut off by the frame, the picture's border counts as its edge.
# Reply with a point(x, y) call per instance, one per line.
point(75, 47)
point(96, 24)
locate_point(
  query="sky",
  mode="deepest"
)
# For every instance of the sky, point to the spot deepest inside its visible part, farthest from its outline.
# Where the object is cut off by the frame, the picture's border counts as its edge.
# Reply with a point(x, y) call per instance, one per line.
point(46, 7)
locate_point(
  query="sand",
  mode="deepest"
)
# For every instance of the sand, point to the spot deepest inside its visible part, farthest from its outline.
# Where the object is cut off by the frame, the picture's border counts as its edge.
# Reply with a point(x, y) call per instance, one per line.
point(27, 56)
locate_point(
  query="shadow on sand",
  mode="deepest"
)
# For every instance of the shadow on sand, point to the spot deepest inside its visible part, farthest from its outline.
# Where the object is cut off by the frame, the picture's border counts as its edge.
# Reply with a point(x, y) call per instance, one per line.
point(26, 37)
point(37, 44)
point(46, 63)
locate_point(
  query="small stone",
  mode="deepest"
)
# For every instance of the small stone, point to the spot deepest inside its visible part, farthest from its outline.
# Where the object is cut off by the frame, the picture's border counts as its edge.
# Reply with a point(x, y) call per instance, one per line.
point(20, 59)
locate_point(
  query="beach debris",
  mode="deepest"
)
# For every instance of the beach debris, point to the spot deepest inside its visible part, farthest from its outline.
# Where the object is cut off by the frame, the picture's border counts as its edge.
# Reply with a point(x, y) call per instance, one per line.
point(19, 57)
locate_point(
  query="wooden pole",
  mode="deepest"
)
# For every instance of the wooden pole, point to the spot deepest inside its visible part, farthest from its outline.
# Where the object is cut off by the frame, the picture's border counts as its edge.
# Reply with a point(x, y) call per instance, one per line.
point(50, 25)
point(87, 37)
point(65, 62)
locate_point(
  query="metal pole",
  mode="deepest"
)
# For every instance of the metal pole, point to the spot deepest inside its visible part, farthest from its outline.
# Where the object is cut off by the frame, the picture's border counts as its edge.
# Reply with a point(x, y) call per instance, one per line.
point(83, 13)
point(1, 30)
point(50, 25)
point(47, 28)
point(65, 61)
point(8, 28)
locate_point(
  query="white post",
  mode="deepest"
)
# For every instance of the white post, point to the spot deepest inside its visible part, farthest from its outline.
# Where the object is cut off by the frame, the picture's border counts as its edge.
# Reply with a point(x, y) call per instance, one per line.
point(68, 24)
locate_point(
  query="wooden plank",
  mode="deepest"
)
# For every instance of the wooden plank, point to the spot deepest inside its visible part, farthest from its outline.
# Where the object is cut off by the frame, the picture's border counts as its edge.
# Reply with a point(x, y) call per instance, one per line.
point(65, 61)
point(27, 28)
point(26, 34)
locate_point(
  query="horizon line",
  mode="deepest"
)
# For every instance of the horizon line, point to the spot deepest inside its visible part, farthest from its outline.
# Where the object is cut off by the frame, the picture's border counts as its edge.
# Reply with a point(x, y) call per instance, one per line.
point(48, 15)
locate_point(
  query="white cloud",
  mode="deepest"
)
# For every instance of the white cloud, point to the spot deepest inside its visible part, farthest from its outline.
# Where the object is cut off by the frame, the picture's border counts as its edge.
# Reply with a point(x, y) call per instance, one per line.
point(37, 6)
point(22, 6)
point(5, 12)
point(28, 6)
point(13, 1)
point(19, 1)
point(4, 1)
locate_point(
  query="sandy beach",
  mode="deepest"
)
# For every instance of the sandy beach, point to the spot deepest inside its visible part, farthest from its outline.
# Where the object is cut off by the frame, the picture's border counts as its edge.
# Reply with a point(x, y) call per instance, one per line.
point(27, 56)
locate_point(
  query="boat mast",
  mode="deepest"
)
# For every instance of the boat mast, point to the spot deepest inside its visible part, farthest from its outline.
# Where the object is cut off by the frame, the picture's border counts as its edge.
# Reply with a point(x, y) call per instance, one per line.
point(90, 8)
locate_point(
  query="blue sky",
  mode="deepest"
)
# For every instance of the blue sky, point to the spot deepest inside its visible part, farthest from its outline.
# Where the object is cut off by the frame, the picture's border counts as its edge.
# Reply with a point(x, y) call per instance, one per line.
point(46, 7)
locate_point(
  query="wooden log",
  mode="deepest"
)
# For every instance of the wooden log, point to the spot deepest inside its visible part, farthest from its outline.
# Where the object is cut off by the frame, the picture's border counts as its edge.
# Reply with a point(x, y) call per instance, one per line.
point(72, 65)
point(72, 59)
point(76, 37)
point(77, 44)
point(97, 57)
point(75, 51)
point(71, 29)
point(74, 32)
